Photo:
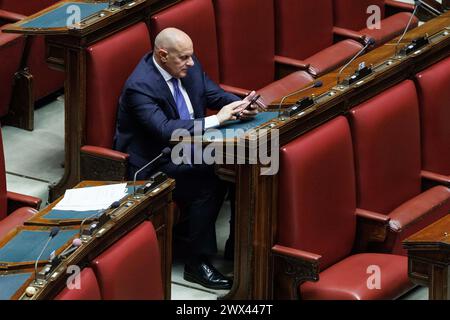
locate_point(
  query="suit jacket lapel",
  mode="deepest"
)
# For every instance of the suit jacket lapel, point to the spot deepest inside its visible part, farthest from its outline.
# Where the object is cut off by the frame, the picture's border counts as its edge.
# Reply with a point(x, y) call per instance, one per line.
point(164, 90)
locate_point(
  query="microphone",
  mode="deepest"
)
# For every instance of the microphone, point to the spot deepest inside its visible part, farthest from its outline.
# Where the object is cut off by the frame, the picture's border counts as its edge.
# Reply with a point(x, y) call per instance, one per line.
point(114, 205)
point(316, 84)
point(428, 7)
point(369, 42)
point(53, 232)
point(416, 6)
point(76, 243)
point(165, 151)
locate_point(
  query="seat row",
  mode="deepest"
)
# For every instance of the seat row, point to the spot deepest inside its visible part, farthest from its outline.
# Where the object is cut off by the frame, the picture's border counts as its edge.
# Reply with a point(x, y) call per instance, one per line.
point(128, 270)
point(31, 62)
point(357, 185)
point(242, 45)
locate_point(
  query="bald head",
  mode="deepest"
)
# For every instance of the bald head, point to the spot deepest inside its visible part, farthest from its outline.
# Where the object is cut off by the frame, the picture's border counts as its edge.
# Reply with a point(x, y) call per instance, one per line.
point(173, 51)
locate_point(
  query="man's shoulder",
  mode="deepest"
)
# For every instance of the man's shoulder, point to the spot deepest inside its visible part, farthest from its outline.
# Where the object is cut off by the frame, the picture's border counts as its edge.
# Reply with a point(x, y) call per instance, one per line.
point(143, 73)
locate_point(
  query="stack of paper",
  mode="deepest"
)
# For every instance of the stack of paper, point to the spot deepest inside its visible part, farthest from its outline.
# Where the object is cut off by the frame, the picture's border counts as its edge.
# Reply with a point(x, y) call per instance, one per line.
point(92, 198)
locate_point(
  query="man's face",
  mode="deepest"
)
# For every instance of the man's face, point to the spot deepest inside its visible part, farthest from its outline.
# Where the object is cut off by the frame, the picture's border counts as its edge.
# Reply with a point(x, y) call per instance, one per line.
point(178, 60)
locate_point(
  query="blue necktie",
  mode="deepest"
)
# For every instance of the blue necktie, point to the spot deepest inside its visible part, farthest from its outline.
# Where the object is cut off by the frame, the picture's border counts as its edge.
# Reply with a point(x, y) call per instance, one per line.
point(183, 110)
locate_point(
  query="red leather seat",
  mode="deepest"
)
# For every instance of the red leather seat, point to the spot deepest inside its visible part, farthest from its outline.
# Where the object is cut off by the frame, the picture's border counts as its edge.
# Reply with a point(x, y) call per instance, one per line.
point(386, 136)
point(131, 269)
point(45, 80)
point(304, 31)
point(109, 63)
point(89, 288)
point(318, 219)
point(434, 102)
point(351, 15)
point(246, 43)
point(11, 47)
point(14, 208)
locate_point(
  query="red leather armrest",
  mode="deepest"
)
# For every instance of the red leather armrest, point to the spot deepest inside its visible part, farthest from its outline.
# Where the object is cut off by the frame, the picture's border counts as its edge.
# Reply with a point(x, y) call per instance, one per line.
point(17, 200)
point(295, 253)
point(372, 216)
point(11, 16)
point(349, 34)
point(436, 177)
point(400, 5)
point(235, 90)
point(105, 153)
point(301, 65)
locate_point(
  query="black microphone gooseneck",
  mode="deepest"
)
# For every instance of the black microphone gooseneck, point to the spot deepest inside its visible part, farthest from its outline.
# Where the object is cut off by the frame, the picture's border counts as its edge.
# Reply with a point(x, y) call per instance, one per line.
point(369, 42)
point(114, 205)
point(164, 152)
point(417, 5)
point(53, 232)
point(316, 84)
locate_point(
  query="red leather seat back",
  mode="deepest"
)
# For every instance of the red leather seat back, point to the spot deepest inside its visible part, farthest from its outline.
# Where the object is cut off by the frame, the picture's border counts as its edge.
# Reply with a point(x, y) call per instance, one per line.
point(434, 101)
point(131, 269)
point(196, 18)
point(11, 48)
point(352, 14)
point(245, 32)
point(386, 139)
point(89, 289)
point(45, 80)
point(303, 28)
point(109, 64)
point(317, 199)
point(3, 200)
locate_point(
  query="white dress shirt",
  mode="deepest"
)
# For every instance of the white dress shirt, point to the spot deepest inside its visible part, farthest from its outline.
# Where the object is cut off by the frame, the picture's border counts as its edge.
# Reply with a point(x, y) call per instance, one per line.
point(210, 122)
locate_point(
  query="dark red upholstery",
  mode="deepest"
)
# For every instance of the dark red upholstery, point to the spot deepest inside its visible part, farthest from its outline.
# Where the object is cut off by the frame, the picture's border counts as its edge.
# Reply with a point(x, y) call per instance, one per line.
point(245, 31)
point(45, 80)
point(352, 14)
point(317, 214)
point(246, 43)
point(89, 289)
point(9, 220)
point(347, 279)
point(434, 103)
point(109, 63)
point(304, 31)
point(130, 269)
point(11, 48)
point(196, 18)
point(386, 136)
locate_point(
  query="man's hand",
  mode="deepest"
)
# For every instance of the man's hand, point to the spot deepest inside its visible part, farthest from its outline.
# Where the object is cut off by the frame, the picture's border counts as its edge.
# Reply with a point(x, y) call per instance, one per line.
point(252, 110)
point(230, 111)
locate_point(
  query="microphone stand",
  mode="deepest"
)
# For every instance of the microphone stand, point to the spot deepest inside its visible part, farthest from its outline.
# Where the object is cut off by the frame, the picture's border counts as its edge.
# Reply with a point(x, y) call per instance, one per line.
point(370, 41)
point(165, 151)
point(314, 85)
point(54, 231)
point(406, 29)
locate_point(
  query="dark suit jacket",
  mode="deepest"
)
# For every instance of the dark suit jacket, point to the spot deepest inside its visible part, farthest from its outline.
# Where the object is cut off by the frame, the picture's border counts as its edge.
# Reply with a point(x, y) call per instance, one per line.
point(147, 113)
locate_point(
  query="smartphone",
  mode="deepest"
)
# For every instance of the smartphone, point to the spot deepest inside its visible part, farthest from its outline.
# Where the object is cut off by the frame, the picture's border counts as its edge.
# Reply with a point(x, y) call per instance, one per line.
point(254, 99)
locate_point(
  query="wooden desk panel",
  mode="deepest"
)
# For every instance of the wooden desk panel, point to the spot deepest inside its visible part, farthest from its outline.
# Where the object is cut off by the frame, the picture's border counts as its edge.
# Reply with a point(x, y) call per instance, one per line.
point(429, 258)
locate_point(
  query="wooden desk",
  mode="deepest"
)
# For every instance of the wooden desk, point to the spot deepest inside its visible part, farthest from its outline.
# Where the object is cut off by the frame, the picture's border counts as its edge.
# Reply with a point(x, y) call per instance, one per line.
point(429, 258)
point(155, 205)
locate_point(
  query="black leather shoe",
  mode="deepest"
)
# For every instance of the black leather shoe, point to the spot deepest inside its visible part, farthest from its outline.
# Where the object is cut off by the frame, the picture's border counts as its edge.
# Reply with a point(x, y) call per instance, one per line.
point(206, 275)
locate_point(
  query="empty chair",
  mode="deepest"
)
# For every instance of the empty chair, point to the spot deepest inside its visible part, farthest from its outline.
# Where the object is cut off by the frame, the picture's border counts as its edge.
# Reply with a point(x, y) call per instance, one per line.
point(246, 44)
point(352, 16)
point(88, 288)
point(304, 31)
point(11, 48)
point(15, 208)
point(109, 63)
point(45, 80)
point(434, 102)
point(131, 269)
point(317, 223)
point(386, 136)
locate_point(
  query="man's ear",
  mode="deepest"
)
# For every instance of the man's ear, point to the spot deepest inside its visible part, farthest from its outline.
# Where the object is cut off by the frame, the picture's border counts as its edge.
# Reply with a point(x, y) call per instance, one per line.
point(163, 55)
